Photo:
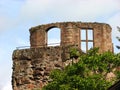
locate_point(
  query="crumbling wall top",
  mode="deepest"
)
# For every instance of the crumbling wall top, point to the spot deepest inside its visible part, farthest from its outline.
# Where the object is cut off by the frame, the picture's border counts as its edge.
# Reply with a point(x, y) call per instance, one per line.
point(58, 24)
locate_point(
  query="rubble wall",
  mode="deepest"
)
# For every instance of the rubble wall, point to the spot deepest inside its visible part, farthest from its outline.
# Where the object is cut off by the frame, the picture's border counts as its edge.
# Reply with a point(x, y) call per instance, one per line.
point(31, 67)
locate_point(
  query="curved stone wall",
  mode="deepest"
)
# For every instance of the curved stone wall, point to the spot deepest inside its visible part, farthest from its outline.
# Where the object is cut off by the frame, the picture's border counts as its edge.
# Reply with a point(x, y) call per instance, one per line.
point(31, 67)
point(70, 34)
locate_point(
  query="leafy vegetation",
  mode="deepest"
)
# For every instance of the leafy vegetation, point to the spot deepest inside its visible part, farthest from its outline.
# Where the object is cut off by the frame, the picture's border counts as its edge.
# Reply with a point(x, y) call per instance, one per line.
point(118, 38)
point(88, 74)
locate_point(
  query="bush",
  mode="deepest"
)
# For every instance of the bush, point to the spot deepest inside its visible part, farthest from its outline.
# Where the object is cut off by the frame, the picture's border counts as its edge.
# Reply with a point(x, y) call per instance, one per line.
point(88, 74)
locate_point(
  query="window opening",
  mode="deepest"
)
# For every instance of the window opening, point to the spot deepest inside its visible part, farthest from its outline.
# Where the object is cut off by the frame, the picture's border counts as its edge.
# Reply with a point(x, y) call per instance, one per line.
point(83, 44)
point(53, 36)
point(90, 34)
point(86, 39)
point(90, 45)
point(83, 34)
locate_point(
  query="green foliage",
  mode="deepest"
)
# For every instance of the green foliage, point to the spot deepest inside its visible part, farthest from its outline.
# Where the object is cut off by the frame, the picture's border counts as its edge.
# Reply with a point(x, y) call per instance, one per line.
point(118, 74)
point(88, 74)
point(74, 53)
point(118, 38)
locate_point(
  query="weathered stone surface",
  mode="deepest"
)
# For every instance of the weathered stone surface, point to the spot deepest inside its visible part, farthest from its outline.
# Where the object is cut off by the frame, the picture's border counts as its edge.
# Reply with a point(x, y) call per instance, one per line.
point(70, 34)
point(33, 70)
point(110, 76)
point(31, 67)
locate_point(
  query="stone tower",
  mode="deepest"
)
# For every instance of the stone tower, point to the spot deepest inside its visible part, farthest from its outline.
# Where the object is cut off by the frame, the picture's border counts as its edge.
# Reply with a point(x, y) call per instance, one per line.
point(31, 66)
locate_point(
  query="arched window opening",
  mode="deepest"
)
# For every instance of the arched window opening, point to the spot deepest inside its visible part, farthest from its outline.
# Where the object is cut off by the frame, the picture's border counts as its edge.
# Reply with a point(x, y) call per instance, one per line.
point(53, 37)
point(86, 39)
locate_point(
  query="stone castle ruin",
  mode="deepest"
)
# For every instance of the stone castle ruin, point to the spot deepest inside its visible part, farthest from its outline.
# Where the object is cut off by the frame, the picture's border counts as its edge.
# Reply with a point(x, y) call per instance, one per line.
point(32, 66)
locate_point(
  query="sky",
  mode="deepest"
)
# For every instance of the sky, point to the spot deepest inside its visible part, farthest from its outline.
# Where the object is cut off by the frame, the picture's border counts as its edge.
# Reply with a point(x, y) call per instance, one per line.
point(18, 16)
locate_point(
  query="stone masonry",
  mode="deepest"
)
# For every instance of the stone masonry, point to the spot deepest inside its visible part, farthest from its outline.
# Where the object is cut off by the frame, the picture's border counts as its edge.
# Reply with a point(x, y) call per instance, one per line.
point(31, 67)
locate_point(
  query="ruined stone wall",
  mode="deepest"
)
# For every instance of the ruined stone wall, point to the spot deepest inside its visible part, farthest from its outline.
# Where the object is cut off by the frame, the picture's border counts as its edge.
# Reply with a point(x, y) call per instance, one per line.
point(70, 34)
point(31, 67)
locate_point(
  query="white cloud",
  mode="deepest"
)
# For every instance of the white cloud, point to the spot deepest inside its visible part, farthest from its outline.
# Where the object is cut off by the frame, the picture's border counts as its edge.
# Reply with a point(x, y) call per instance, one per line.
point(33, 9)
point(4, 23)
point(7, 86)
point(65, 10)
point(8, 11)
point(21, 42)
point(5, 68)
point(44, 11)
point(114, 21)
point(5, 77)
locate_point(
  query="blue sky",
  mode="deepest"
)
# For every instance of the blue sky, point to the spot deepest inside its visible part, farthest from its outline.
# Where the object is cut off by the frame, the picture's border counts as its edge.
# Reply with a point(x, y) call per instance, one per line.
point(17, 16)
